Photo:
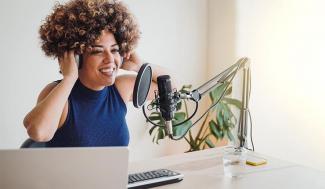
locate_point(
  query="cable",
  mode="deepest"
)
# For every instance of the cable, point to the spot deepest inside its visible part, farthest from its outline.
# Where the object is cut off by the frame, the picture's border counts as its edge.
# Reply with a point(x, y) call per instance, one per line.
point(250, 117)
point(249, 112)
point(178, 124)
point(251, 130)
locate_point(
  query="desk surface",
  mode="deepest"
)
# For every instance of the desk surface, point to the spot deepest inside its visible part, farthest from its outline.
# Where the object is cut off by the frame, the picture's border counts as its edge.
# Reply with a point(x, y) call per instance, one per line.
point(204, 169)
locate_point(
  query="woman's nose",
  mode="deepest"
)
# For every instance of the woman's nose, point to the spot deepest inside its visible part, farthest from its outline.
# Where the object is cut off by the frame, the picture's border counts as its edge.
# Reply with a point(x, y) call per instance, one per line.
point(109, 57)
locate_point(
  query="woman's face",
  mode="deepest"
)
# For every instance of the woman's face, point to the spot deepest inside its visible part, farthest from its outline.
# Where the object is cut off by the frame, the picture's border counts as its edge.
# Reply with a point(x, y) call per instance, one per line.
point(101, 62)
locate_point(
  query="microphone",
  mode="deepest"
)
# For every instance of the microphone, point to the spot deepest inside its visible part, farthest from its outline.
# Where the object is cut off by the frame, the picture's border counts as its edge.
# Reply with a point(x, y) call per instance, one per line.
point(166, 102)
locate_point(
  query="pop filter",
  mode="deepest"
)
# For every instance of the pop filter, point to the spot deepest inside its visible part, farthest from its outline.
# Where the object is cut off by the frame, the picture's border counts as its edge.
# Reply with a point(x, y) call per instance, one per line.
point(142, 85)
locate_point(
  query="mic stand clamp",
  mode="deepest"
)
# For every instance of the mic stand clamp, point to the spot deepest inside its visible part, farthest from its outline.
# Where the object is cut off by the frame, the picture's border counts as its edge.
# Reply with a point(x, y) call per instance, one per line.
point(193, 95)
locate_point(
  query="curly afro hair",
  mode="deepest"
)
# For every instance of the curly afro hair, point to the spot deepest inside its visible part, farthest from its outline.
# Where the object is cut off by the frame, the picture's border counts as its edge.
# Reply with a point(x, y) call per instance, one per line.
point(78, 23)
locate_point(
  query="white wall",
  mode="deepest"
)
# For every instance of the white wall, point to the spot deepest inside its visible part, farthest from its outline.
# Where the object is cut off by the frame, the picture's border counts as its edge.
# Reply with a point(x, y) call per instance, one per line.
point(173, 36)
point(24, 68)
point(285, 41)
point(221, 35)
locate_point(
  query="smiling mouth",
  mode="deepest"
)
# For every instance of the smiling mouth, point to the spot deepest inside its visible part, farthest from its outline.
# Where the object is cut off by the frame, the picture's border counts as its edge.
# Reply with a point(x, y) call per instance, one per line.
point(107, 71)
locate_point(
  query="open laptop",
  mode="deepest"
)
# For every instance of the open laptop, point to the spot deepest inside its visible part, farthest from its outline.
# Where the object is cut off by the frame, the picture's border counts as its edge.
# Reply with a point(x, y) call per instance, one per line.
point(57, 168)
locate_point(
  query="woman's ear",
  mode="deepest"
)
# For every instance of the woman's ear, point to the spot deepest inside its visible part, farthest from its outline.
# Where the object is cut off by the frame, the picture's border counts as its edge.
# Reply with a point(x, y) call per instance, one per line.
point(79, 60)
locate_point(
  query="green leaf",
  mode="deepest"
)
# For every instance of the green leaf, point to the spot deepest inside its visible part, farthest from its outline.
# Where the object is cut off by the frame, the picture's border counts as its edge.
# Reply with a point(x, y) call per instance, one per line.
point(232, 101)
point(228, 111)
point(181, 129)
point(213, 128)
point(151, 130)
point(155, 113)
point(230, 135)
point(179, 117)
point(179, 106)
point(229, 118)
point(209, 143)
point(186, 88)
point(217, 92)
point(229, 90)
point(161, 134)
point(220, 121)
point(231, 125)
point(218, 108)
point(155, 118)
point(226, 115)
point(211, 97)
point(154, 139)
point(201, 140)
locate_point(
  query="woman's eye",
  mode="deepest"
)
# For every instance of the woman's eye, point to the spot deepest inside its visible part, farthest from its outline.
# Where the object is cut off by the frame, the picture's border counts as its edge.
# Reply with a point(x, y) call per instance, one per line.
point(97, 51)
point(100, 51)
point(115, 50)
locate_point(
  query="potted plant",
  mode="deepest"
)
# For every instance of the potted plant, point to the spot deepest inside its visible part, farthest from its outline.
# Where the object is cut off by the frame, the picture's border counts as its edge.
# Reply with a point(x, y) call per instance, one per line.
point(217, 123)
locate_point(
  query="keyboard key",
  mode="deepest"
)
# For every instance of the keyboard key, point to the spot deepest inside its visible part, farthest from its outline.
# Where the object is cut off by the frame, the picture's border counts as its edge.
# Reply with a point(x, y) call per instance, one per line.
point(153, 178)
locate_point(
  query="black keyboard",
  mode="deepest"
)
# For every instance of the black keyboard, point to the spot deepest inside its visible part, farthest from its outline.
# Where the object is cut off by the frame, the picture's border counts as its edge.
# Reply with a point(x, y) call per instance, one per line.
point(153, 178)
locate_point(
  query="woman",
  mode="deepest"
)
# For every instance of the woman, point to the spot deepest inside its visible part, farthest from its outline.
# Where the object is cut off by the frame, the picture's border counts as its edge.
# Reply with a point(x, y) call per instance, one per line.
point(87, 107)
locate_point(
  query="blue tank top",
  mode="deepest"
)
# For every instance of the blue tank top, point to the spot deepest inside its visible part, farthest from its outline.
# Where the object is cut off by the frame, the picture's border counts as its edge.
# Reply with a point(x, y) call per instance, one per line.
point(95, 118)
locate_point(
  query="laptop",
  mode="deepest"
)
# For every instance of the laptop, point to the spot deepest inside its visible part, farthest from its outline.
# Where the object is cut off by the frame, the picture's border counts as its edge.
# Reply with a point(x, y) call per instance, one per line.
point(57, 168)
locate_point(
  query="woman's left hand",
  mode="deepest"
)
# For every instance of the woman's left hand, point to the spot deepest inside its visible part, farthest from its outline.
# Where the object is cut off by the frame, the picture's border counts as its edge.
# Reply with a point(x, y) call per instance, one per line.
point(131, 62)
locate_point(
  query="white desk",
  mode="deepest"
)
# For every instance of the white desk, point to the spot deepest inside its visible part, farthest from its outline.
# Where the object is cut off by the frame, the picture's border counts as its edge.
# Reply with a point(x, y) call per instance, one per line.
point(204, 170)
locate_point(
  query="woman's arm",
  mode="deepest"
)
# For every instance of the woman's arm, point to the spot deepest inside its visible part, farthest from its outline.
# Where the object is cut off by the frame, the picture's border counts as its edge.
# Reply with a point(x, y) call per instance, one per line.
point(51, 109)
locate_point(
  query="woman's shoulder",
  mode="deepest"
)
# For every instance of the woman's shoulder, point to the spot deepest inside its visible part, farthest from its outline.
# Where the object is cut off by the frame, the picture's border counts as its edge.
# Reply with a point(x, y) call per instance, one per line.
point(125, 80)
point(125, 85)
point(51, 85)
point(47, 89)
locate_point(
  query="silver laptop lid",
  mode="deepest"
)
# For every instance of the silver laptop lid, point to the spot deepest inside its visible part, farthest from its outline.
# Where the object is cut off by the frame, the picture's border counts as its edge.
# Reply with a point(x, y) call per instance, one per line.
point(57, 168)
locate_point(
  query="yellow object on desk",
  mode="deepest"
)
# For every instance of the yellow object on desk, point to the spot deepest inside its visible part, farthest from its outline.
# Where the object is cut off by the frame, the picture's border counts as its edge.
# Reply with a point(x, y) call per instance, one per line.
point(255, 161)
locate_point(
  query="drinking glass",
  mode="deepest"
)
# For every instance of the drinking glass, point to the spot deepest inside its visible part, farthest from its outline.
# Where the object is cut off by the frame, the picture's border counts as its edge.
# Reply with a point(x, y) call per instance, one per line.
point(234, 161)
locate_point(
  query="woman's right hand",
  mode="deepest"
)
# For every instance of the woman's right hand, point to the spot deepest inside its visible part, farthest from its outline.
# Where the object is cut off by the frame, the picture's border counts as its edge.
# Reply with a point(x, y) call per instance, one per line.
point(68, 65)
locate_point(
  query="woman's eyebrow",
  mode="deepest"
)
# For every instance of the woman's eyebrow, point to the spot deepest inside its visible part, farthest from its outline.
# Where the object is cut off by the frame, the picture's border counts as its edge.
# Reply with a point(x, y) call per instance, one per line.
point(102, 46)
point(97, 46)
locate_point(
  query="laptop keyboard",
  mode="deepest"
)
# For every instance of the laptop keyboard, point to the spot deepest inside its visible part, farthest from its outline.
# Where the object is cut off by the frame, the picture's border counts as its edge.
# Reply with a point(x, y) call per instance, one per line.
point(153, 178)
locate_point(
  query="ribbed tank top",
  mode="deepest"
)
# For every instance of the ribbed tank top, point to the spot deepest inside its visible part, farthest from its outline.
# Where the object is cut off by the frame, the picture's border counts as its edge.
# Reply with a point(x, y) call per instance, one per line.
point(95, 118)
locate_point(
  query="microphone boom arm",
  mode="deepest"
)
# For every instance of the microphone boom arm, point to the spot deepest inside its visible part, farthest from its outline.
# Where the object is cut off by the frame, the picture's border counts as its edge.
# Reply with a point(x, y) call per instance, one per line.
point(219, 80)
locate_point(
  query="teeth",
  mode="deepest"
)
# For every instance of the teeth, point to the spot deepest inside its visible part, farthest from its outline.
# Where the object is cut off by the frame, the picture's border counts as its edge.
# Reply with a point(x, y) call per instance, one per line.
point(107, 70)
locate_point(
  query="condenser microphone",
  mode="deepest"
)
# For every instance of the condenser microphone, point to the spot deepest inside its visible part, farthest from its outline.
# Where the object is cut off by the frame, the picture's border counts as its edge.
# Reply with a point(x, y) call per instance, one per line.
point(167, 103)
